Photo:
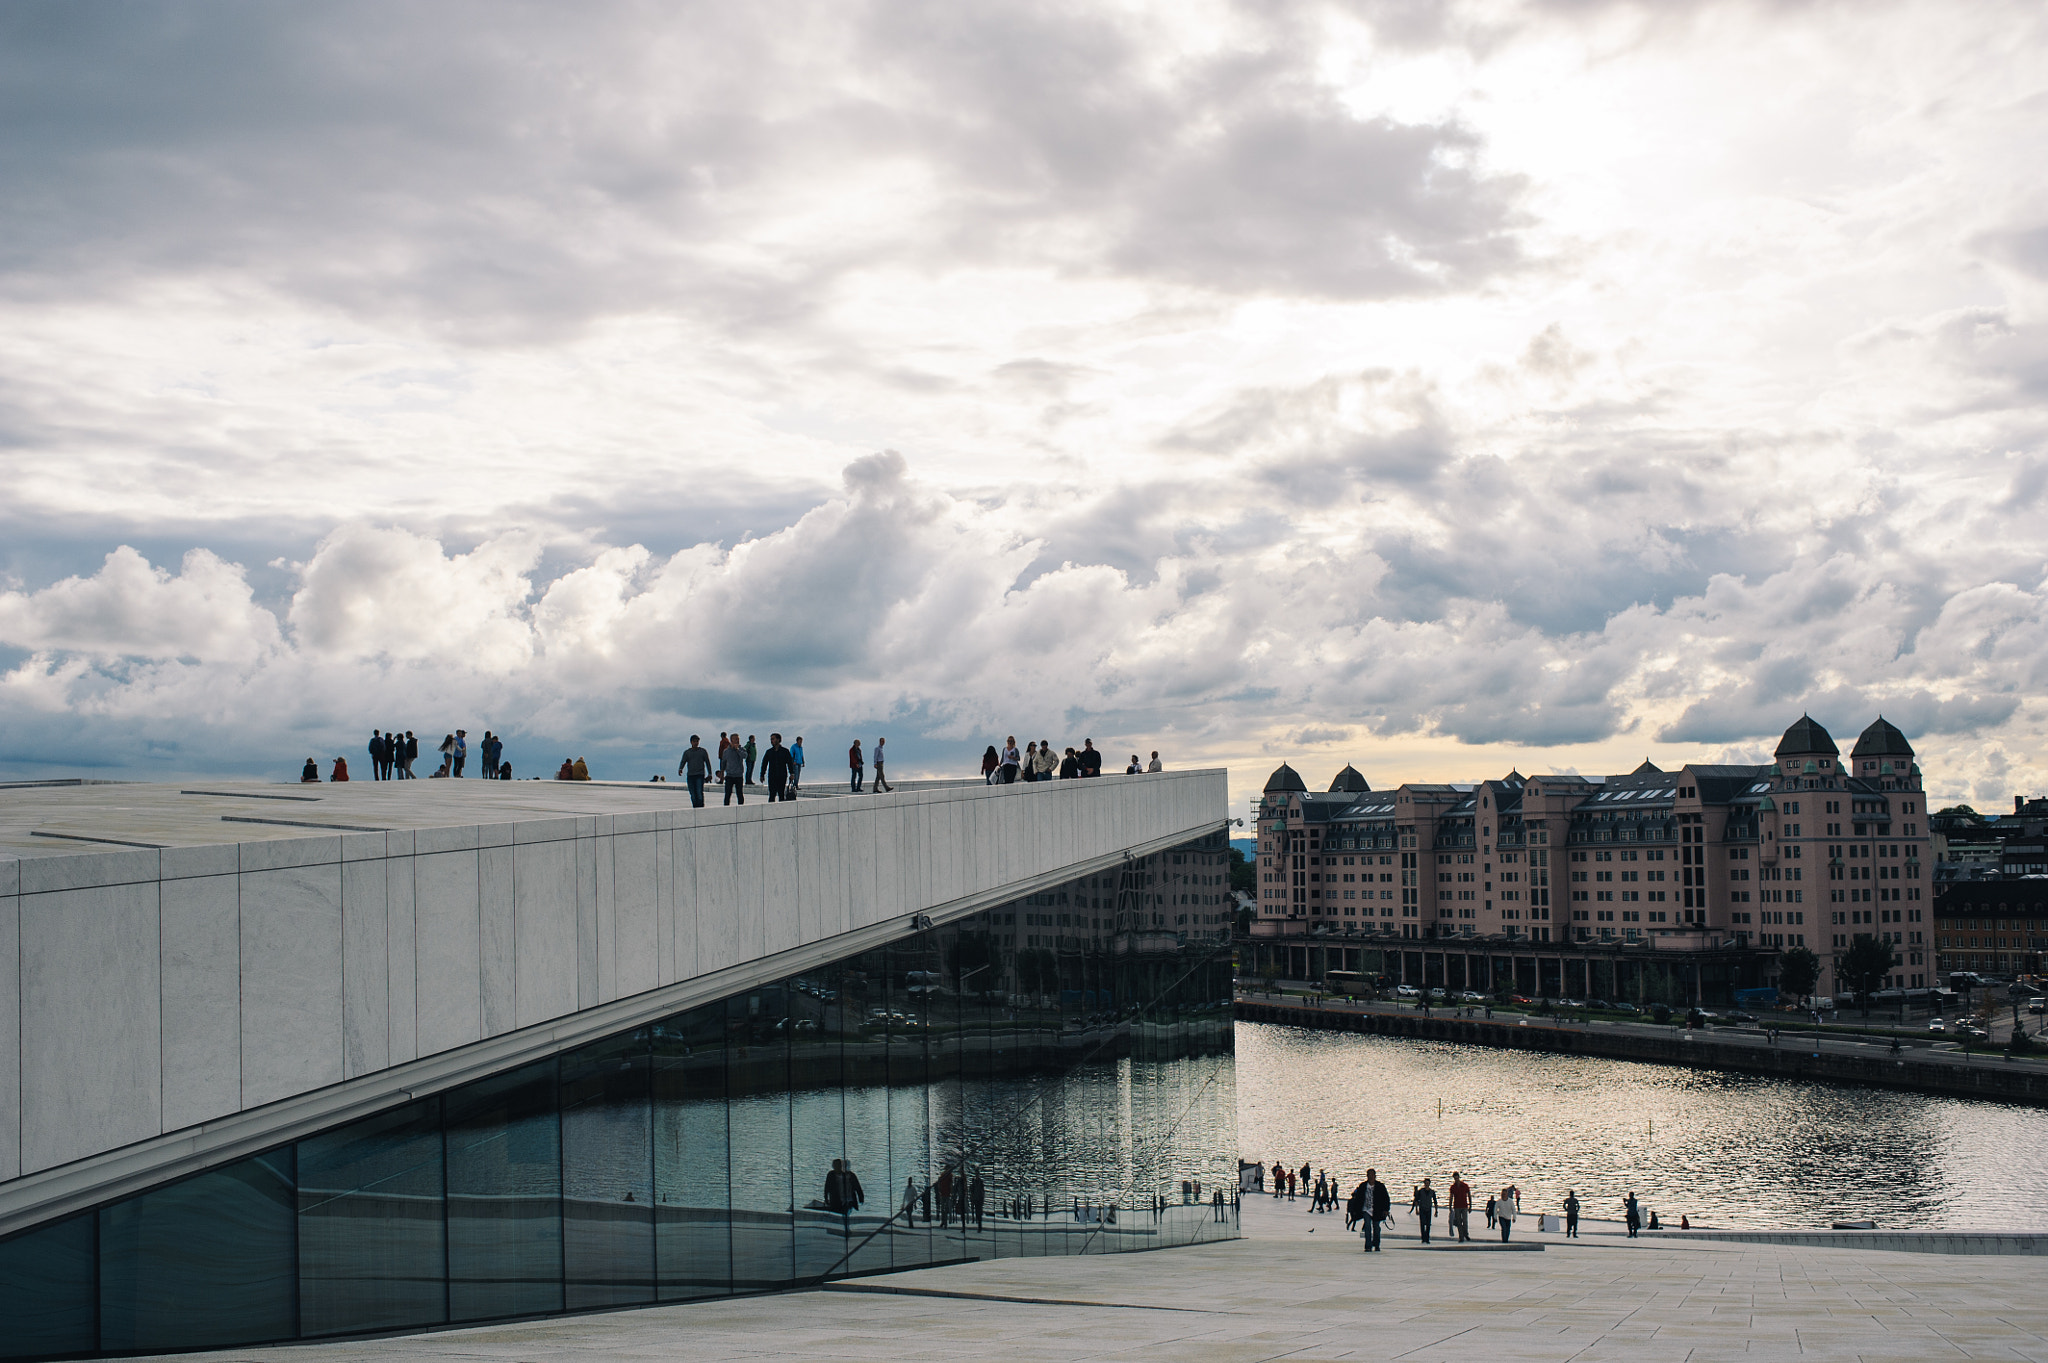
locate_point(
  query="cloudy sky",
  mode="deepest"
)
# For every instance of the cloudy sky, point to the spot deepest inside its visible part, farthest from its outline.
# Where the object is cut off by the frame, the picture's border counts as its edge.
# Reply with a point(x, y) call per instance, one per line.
point(1437, 387)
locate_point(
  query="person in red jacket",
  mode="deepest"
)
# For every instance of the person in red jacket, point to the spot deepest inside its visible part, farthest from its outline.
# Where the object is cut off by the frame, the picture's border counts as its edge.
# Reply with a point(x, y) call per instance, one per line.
point(1461, 1206)
point(340, 769)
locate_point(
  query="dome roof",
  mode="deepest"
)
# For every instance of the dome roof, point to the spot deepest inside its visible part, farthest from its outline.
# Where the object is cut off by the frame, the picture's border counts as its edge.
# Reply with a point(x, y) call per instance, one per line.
point(1804, 737)
point(1285, 780)
point(1348, 782)
point(1882, 739)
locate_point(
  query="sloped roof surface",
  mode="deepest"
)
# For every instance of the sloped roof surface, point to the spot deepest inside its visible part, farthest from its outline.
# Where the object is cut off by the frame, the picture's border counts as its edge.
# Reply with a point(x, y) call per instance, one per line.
point(1806, 735)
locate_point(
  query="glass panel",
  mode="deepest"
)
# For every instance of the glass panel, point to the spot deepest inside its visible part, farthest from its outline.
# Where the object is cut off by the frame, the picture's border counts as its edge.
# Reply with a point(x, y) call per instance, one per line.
point(825, 1196)
point(692, 1182)
point(505, 1196)
point(372, 1253)
point(204, 1262)
point(757, 1078)
point(864, 1091)
point(46, 1290)
point(608, 1173)
point(909, 1101)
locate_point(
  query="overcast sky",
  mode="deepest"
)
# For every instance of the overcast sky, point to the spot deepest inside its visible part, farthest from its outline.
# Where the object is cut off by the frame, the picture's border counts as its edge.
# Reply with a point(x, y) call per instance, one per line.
point(1435, 387)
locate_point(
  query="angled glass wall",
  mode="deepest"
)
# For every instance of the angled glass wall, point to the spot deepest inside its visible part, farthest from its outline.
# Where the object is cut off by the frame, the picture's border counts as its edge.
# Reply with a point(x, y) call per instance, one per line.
point(986, 1089)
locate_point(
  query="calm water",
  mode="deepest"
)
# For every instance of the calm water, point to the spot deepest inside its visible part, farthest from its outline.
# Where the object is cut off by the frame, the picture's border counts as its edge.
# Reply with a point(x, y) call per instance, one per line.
point(1729, 1150)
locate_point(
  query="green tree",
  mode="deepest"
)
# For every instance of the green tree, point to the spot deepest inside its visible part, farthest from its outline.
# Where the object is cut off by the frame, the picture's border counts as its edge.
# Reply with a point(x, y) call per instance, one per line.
point(1244, 873)
point(1864, 965)
point(1798, 972)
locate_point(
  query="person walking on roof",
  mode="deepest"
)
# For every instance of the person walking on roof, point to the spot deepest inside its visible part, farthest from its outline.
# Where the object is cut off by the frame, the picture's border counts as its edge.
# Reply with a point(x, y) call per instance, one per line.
point(1155, 762)
point(1012, 760)
point(732, 769)
point(752, 754)
point(1424, 1203)
point(796, 759)
point(881, 783)
point(1571, 1214)
point(776, 767)
point(1091, 760)
point(695, 769)
point(858, 763)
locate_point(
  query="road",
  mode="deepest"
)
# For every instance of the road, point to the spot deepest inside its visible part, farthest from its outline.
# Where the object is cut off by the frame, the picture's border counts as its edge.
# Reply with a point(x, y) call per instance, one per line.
point(1946, 1048)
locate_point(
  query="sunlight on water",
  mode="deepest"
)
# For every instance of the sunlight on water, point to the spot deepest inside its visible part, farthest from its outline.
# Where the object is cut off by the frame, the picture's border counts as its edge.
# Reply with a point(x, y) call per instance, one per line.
point(1725, 1149)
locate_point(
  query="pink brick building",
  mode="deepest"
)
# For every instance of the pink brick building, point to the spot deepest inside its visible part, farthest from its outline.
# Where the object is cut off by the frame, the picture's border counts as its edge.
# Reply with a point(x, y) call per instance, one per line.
point(1706, 872)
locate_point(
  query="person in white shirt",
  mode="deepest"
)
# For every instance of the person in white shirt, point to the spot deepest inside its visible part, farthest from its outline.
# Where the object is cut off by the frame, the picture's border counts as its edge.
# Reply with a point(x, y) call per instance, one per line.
point(1155, 762)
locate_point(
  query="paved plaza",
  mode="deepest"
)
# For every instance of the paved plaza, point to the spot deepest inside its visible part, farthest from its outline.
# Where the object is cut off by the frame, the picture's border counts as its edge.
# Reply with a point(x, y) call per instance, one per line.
point(1298, 1288)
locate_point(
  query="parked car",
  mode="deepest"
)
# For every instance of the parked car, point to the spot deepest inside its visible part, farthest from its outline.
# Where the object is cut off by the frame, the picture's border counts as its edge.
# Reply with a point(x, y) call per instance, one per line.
point(1626, 1008)
point(1407, 991)
point(1471, 996)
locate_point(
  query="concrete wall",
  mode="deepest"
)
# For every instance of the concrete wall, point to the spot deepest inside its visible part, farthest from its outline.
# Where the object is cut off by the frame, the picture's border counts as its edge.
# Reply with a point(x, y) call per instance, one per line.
point(144, 992)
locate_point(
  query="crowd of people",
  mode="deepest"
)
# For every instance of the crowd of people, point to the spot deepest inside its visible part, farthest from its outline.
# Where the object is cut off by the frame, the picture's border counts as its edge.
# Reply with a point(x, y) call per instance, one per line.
point(392, 755)
point(735, 765)
point(1006, 765)
point(1370, 1205)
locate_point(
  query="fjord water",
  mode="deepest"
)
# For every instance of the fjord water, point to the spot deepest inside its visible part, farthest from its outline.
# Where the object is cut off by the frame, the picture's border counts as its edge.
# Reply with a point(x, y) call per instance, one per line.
point(1724, 1149)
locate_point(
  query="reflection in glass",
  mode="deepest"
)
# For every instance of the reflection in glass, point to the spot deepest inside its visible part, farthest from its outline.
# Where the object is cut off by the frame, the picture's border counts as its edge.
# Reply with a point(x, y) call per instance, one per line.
point(46, 1290)
point(210, 1260)
point(504, 1196)
point(692, 1184)
point(757, 1110)
point(371, 1221)
point(608, 1173)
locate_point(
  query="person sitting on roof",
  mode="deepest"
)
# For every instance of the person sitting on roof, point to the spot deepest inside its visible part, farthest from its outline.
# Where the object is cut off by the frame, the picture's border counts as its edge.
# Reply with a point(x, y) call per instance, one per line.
point(310, 772)
point(340, 769)
point(582, 772)
point(568, 771)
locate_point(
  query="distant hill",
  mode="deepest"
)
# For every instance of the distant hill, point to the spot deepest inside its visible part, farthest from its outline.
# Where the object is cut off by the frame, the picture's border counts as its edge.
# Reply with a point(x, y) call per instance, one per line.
point(1248, 846)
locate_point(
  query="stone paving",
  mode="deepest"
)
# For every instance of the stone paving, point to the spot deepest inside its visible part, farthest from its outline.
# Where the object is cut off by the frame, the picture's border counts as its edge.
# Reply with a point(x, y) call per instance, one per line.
point(1298, 1288)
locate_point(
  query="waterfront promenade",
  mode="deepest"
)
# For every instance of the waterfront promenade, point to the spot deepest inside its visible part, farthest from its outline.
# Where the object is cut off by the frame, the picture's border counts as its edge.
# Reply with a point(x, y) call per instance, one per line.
point(1298, 1288)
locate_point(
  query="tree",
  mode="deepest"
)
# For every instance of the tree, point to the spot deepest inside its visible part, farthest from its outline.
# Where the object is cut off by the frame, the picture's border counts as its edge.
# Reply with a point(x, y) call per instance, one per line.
point(1798, 972)
point(1864, 966)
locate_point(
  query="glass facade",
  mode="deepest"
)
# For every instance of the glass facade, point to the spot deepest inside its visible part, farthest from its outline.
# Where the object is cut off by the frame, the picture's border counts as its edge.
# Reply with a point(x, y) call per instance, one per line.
point(957, 1095)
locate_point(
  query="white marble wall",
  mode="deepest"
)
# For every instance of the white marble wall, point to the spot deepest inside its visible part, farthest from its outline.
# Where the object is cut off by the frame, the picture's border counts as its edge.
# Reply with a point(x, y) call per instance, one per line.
point(147, 992)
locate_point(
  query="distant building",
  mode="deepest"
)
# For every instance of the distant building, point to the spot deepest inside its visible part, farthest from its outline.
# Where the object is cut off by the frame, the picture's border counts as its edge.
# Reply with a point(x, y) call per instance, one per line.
point(1997, 927)
point(1567, 881)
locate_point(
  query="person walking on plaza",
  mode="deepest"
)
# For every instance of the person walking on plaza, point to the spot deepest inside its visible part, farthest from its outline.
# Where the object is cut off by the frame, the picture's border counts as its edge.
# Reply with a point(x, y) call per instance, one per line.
point(1632, 1213)
point(1012, 760)
point(1461, 1207)
point(1048, 762)
point(1510, 1203)
point(1424, 1204)
point(1029, 768)
point(796, 769)
point(447, 751)
point(377, 752)
point(843, 1194)
point(752, 754)
point(461, 752)
point(776, 768)
point(945, 1196)
point(1492, 1206)
point(909, 1200)
point(858, 763)
point(1354, 1206)
point(732, 768)
point(880, 782)
point(695, 769)
point(991, 763)
point(1379, 1205)
point(1571, 1214)
point(412, 755)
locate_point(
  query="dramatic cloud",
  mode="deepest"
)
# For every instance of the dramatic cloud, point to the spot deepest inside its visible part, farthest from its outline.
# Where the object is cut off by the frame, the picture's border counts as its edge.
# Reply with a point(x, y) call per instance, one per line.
point(1430, 387)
